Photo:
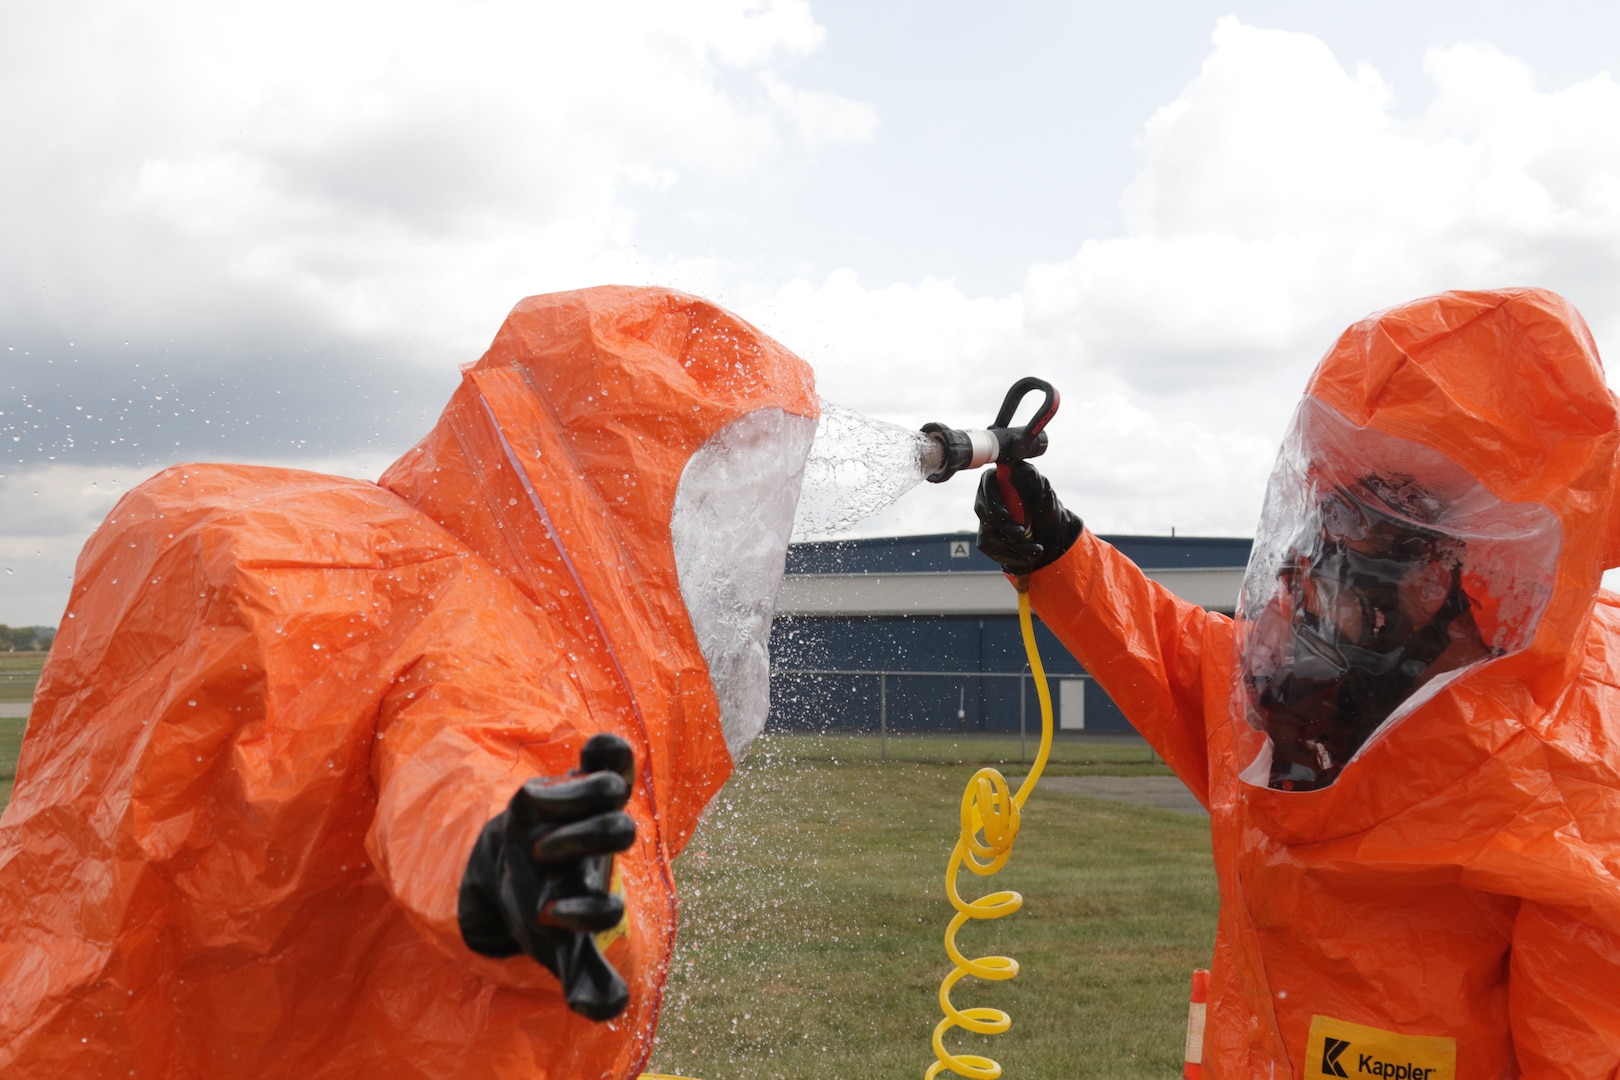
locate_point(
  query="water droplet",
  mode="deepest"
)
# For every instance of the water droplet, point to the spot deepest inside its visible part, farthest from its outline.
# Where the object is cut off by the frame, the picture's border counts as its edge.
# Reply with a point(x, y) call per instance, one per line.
point(857, 466)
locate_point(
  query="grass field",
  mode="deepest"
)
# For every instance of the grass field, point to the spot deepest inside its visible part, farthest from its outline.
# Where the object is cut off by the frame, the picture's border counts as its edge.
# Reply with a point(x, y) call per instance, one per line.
point(18, 673)
point(813, 903)
point(1072, 755)
point(11, 735)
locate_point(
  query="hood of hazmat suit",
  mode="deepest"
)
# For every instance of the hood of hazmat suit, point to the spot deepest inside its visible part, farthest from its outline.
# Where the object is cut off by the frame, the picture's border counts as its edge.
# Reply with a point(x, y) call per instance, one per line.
point(281, 706)
point(1409, 737)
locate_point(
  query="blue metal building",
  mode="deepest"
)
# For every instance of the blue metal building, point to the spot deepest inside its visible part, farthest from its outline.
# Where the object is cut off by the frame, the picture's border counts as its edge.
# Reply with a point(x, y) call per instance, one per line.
point(920, 633)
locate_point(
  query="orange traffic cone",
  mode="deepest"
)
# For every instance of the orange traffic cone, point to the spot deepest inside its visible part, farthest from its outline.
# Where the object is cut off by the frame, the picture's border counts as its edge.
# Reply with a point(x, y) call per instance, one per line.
point(1192, 1067)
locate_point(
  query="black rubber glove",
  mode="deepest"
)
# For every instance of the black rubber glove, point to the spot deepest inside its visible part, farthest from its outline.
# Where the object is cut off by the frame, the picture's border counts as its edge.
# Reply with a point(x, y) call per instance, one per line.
point(1048, 529)
point(539, 876)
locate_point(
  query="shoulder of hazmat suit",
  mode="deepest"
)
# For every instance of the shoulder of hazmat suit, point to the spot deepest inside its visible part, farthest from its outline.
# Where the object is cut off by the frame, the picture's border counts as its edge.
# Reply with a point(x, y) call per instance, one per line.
point(1409, 737)
point(281, 707)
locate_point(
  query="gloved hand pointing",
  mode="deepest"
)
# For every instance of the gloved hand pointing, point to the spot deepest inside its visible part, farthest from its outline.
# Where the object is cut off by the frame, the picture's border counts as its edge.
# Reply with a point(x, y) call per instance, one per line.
point(1047, 531)
point(539, 878)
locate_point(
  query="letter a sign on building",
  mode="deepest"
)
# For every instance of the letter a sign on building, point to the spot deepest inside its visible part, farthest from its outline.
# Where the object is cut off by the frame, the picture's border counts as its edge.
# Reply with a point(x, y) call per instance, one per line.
point(1338, 1050)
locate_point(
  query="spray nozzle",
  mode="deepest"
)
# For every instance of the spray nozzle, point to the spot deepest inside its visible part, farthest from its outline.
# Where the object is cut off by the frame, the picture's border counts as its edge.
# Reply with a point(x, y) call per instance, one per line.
point(1001, 443)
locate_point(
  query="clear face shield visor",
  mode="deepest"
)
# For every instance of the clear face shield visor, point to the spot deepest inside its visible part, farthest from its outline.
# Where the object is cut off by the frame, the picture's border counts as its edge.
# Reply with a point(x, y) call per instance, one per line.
point(734, 510)
point(1381, 572)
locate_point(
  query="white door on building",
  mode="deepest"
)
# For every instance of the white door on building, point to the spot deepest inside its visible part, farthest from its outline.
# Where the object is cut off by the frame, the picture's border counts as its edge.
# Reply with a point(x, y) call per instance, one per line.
point(1072, 705)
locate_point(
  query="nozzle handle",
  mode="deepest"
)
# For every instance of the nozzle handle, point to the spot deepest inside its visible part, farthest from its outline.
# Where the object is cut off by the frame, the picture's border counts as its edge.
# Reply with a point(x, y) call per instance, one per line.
point(1026, 435)
point(1023, 442)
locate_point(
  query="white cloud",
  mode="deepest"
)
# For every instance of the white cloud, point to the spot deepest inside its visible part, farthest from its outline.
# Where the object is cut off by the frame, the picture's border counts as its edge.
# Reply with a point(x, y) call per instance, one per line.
point(397, 173)
point(257, 203)
point(821, 119)
point(385, 180)
point(1280, 198)
point(914, 347)
point(743, 33)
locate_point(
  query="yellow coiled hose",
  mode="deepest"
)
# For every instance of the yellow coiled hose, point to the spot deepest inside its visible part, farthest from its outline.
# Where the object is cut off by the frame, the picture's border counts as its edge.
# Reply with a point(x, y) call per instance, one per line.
point(990, 818)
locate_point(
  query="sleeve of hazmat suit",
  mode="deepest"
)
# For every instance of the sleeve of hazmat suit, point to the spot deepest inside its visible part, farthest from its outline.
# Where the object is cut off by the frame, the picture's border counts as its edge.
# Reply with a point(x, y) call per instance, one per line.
point(1409, 737)
point(282, 705)
point(1158, 656)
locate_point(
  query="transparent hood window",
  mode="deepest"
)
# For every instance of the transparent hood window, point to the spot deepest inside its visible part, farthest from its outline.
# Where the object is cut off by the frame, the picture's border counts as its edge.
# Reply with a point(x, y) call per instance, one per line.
point(1381, 572)
point(733, 515)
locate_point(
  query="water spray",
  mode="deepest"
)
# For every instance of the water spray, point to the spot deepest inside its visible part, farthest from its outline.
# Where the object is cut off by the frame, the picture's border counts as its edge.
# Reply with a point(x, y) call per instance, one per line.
point(991, 810)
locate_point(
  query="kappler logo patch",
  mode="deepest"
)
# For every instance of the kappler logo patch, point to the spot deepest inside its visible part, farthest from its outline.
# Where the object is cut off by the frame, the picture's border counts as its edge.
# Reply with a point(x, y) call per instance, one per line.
point(1339, 1050)
point(1367, 1065)
point(1331, 1049)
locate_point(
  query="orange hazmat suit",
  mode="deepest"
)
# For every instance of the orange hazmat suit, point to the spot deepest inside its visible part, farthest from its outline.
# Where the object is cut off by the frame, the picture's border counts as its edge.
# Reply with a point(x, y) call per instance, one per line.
point(1437, 897)
point(282, 705)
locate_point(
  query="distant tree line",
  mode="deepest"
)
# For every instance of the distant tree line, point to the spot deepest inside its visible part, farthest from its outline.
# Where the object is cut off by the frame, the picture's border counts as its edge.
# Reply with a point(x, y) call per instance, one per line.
point(25, 638)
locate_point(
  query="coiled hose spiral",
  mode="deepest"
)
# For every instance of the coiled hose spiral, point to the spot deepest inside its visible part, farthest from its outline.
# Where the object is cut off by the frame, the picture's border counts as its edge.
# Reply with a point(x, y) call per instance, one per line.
point(990, 818)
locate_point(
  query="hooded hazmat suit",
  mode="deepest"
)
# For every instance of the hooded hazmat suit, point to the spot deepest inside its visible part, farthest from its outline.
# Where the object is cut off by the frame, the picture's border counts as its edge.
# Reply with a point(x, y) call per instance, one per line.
point(281, 706)
point(1427, 879)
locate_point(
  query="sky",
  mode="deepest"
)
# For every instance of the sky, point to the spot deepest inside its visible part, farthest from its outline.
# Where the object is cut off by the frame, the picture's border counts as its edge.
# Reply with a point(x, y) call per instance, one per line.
point(271, 233)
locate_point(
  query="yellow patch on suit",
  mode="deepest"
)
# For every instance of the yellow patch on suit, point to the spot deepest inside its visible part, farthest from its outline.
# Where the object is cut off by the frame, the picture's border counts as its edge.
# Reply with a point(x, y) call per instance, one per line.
point(622, 930)
point(1339, 1050)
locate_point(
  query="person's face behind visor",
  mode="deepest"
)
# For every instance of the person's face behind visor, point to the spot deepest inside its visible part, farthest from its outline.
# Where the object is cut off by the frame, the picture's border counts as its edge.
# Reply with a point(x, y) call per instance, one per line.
point(1367, 580)
point(1375, 607)
point(1374, 562)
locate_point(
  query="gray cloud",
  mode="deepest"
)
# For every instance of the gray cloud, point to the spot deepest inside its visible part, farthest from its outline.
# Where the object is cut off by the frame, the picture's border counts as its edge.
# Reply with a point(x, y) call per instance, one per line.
point(271, 232)
point(240, 399)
